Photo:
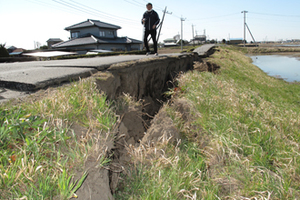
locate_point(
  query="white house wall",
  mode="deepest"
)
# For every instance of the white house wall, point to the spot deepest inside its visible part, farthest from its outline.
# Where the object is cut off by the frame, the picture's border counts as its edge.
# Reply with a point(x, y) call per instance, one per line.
point(94, 31)
point(112, 47)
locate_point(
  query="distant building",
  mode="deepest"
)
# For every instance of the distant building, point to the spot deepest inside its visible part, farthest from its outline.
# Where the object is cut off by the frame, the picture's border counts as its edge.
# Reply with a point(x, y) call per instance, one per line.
point(198, 39)
point(94, 34)
point(11, 49)
point(170, 42)
point(201, 38)
point(53, 41)
point(17, 52)
point(236, 41)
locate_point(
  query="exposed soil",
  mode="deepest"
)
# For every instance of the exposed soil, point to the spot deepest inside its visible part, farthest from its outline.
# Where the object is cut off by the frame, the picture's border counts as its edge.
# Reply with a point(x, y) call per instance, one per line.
point(204, 65)
point(146, 123)
point(162, 129)
point(139, 123)
point(168, 50)
point(96, 185)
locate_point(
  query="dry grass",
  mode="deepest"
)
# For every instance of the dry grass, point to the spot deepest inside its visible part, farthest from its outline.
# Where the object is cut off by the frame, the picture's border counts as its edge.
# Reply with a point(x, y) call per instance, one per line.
point(264, 50)
point(240, 141)
point(43, 143)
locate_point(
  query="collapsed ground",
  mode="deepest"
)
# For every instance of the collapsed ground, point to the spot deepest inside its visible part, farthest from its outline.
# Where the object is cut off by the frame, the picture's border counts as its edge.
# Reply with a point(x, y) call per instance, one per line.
point(231, 134)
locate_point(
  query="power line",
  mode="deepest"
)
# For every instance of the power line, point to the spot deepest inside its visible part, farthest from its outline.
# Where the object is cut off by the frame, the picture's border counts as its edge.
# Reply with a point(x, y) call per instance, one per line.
point(282, 20)
point(156, 6)
point(100, 11)
point(176, 16)
point(41, 3)
point(141, 4)
point(95, 13)
point(85, 10)
point(215, 21)
point(278, 15)
point(220, 16)
point(72, 6)
point(79, 10)
point(133, 3)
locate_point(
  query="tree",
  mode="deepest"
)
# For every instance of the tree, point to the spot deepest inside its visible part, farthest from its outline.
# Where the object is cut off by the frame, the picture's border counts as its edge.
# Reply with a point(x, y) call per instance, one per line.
point(44, 47)
point(223, 41)
point(3, 51)
point(183, 42)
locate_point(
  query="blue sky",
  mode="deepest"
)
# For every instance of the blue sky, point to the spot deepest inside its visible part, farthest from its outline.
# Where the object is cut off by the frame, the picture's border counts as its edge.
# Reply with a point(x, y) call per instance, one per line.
point(24, 21)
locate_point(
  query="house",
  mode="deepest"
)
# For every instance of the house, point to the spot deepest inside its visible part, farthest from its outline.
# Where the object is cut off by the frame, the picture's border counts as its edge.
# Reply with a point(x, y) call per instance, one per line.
point(10, 49)
point(295, 40)
point(198, 39)
point(170, 42)
point(95, 34)
point(17, 52)
point(53, 41)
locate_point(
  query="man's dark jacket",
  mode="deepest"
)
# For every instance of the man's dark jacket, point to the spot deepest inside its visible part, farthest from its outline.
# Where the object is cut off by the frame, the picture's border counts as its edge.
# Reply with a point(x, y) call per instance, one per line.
point(151, 18)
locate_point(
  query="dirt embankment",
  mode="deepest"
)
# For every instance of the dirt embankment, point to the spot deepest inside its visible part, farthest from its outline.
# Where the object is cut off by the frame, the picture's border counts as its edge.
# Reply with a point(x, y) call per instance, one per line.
point(146, 81)
point(141, 121)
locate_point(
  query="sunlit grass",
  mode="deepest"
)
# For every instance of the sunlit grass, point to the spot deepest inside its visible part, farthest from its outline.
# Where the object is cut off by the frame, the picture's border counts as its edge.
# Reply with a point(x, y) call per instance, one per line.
point(241, 140)
point(39, 152)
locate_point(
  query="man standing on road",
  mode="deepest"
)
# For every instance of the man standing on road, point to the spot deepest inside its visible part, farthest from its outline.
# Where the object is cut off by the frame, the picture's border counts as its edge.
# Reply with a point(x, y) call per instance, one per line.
point(150, 21)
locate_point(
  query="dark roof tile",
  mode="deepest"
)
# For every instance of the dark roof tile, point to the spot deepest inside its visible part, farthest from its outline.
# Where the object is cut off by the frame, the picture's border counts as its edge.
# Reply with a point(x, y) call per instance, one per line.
point(94, 40)
point(54, 40)
point(90, 23)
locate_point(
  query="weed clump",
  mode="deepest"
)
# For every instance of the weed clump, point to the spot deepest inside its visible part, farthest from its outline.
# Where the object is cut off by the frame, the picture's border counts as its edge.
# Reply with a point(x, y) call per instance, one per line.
point(44, 143)
point(239, 138)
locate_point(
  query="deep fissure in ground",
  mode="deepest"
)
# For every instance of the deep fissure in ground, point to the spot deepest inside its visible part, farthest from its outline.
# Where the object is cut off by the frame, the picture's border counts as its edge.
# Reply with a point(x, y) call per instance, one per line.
point(136, 120)
point(144, 84)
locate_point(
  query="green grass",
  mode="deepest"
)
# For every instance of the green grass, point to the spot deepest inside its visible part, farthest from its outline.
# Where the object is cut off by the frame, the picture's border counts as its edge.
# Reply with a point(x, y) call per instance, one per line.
point(239, 128)
point(242, 139)
point(179, 175)
point(39, 153)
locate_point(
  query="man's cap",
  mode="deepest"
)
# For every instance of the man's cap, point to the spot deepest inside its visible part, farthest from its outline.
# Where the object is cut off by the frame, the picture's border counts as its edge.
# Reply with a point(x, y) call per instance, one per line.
point(149, 4)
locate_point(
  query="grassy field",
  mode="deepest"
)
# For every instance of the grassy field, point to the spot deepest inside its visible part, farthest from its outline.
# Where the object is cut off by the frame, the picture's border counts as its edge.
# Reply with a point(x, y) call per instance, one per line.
point(40, 153)
point(268, 50)
point(240, 138)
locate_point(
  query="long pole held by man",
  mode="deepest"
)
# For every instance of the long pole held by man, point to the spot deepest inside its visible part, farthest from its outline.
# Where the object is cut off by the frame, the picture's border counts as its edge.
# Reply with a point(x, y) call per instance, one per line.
point(150, 20)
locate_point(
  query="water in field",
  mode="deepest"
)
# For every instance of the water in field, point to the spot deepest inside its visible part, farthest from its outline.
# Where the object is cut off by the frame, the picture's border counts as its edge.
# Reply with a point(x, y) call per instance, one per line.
point(285, 67)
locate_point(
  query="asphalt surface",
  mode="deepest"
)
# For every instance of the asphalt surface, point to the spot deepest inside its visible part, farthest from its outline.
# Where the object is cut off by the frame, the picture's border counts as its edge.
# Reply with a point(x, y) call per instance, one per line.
point(203, 49)
point(19, 78)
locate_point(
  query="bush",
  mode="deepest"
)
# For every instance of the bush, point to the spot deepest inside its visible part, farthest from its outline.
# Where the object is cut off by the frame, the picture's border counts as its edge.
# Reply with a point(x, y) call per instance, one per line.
point(3, 51)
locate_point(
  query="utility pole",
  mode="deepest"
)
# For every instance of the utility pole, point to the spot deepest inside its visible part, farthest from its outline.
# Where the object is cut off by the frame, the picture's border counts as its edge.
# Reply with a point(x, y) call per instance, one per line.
point(193, 34)
point(162, 21)
point(251, 35)
point(246, 26)
point(182, 19)
point(245, 12)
